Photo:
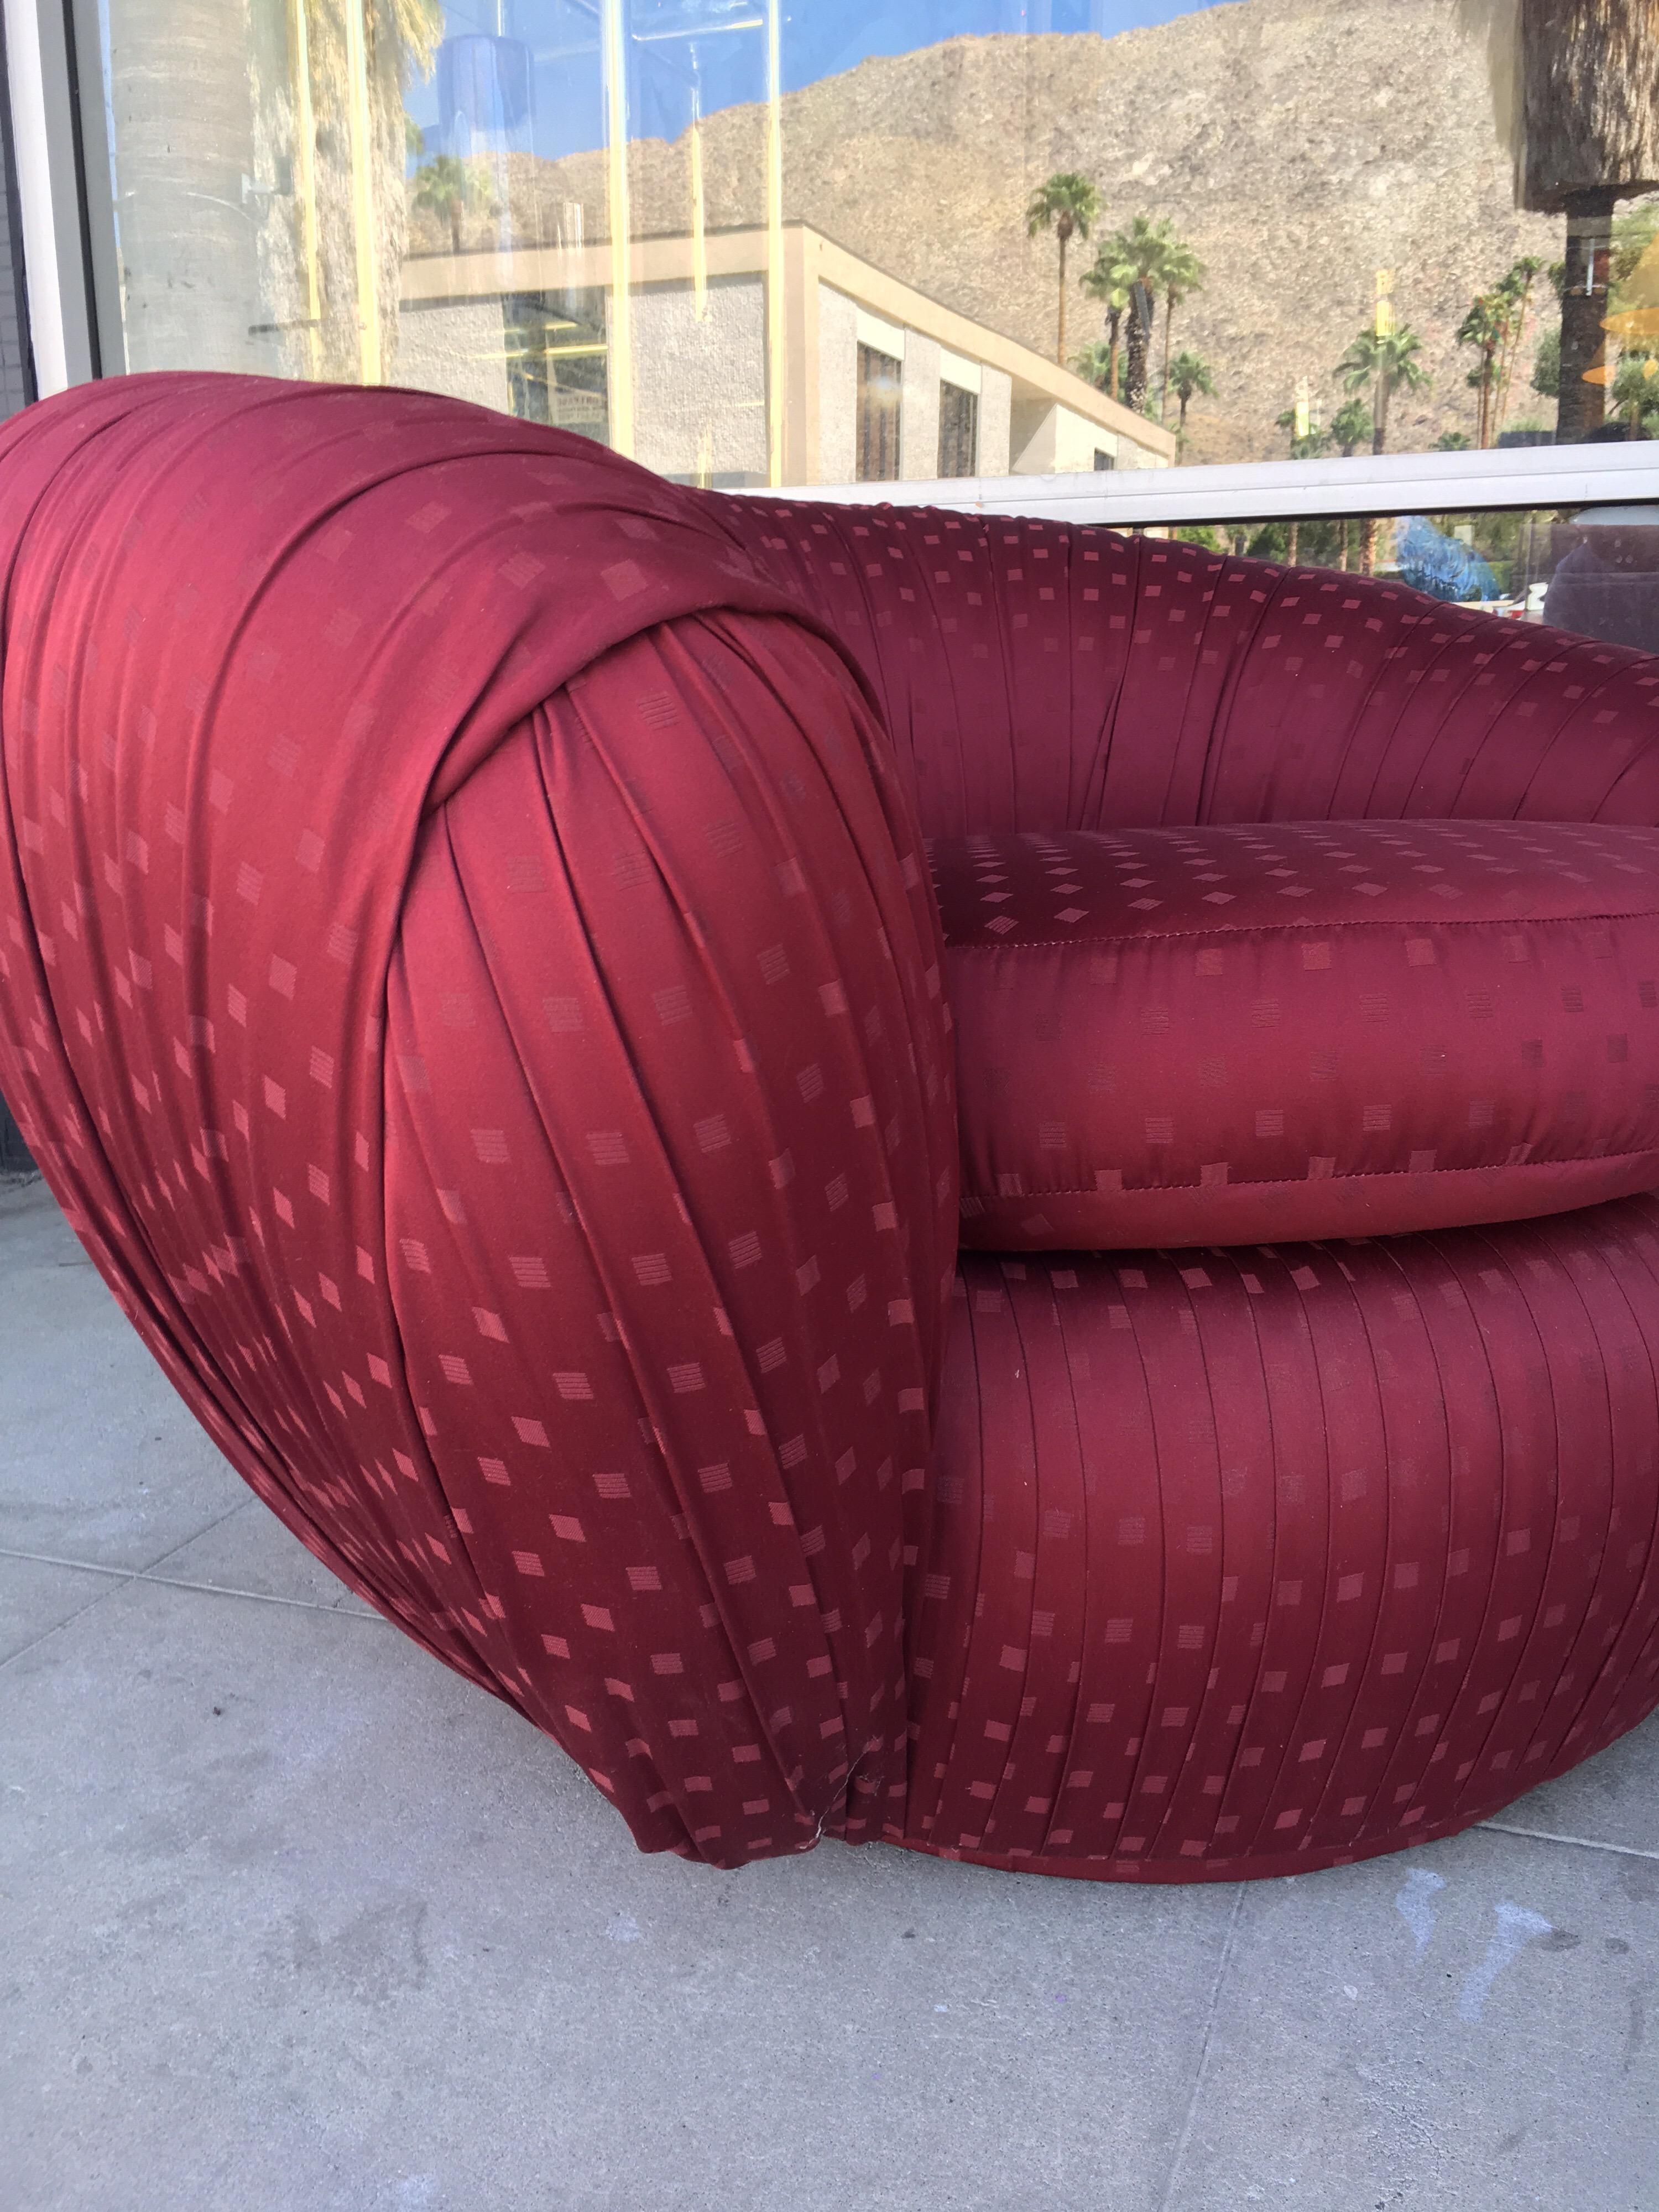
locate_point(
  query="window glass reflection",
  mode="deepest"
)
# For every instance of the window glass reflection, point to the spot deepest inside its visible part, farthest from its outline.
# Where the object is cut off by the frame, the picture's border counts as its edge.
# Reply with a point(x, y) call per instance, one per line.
point(1595, 571)
point(1090, 233)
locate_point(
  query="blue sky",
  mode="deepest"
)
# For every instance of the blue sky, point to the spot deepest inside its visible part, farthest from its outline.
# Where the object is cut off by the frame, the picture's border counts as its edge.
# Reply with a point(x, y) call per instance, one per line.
point(821, 38)
point(721, 40)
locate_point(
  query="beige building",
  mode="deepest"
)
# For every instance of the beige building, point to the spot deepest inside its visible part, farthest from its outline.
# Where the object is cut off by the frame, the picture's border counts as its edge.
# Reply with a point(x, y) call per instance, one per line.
point(878, 381)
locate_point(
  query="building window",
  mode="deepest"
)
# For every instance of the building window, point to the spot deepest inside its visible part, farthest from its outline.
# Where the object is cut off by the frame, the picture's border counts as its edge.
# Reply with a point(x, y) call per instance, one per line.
point(1103, 459)
point(958, 431)
point(880, 376)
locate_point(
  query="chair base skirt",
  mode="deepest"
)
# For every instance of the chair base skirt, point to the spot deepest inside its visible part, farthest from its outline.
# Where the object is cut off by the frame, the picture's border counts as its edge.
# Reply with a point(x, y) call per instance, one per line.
point(1247, 1562)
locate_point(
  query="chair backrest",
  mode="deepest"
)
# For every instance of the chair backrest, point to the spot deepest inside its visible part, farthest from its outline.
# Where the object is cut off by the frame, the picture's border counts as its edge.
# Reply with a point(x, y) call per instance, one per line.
point(1039, 676)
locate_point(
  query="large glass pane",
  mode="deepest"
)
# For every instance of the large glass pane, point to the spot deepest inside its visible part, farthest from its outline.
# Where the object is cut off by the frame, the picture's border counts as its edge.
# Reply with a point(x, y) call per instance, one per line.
point(1592, 570)
point(16, 376)
point(1132, 232)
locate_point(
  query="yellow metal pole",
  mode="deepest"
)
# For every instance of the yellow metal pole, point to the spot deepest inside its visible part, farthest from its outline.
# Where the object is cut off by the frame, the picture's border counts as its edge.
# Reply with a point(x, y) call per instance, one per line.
point(305, 178)
point(775, 325)
point(362, 128)
point(620, 368)
point(699, 217)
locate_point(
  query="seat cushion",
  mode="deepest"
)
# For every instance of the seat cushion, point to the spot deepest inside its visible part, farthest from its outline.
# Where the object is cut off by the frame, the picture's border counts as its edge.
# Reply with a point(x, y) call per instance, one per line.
point(1245, 1033)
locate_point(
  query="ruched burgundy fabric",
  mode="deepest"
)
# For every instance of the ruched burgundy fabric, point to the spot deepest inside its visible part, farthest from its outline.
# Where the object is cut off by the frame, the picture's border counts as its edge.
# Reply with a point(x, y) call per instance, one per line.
point(470, 970)
point(1221, 1035)
point(470, 979)
point(1248, 1562)
point(1037, 676)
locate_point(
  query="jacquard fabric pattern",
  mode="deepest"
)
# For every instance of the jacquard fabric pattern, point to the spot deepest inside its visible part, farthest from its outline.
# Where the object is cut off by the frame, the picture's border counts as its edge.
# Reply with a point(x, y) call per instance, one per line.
point(1212, 1035)
point(469, 971)
point(1250, 1562)
point(484, 1020)
point(1034, 675)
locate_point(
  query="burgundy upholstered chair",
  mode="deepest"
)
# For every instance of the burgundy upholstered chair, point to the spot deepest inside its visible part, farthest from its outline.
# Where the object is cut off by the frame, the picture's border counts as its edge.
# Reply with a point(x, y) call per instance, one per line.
point(965, 1182)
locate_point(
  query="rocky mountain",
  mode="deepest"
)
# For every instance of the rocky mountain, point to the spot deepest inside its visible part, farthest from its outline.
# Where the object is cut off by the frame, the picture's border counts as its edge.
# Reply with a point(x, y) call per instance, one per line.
point(1299, 145)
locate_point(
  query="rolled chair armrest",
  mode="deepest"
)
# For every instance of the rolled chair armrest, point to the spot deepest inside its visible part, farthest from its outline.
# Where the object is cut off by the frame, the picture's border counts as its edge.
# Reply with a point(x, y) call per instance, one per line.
point(470, 975)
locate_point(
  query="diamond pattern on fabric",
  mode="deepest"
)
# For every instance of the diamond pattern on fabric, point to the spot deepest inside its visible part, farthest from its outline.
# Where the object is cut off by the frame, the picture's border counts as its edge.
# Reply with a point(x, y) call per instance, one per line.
point(1190, 1037)
point(469, 971)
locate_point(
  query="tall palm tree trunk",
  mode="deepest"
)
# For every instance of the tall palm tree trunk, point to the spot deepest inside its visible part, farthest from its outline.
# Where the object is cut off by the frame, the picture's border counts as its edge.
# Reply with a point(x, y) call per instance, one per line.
point(1134, 378)
point(1163, 388)
point(180, 190)
point(1585, 133)
point(1511, 354)
point(1060, 331)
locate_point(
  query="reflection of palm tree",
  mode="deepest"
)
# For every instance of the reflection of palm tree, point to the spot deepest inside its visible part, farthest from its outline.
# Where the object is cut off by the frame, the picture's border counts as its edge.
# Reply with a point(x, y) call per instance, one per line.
point(1110, 281)
point(1384, 360)
point(1305, 444)
point(1139, 252)
point(1386, 364)
point(1517, 288)
point(1188, 376)
point(1095, 364)
point(356, 58)
point(1635, 392)
point(1351, 426)
point(312, 92)
point(450, 189)
point(1484, 327)
point(1182, 273)
point(1069, 205)
point(1586, 129)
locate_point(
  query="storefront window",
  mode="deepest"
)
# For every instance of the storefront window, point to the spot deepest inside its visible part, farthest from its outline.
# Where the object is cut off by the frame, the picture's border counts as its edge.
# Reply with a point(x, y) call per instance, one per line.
point(749, 242)
point(1595, 571)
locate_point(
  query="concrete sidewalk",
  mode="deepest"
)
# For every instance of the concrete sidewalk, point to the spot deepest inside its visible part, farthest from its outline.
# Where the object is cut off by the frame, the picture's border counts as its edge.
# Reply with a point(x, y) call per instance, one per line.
point(292, 1920)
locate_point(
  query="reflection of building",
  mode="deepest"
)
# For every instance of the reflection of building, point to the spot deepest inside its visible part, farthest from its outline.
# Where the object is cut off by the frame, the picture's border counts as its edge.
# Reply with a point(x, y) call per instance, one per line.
point(877, 380)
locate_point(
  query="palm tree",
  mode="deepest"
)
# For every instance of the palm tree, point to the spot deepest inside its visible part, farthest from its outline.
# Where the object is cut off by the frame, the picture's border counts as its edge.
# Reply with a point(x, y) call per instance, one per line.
point(1095, 365)
point(1305, 444)
point(1635, 392)
point(1386, 364)
point(1139, 253)
point(450, 189)
point(1110, 281)
point(1351, 426)
point(1188, 376)
point(1584, 111)
point(1517, 288)
point(1182, 273)
point(1484, 327)
point(1069, 205)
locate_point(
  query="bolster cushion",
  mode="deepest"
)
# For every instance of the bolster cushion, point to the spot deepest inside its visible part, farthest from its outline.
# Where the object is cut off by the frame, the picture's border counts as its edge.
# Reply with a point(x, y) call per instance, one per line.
point(1246, 1033)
